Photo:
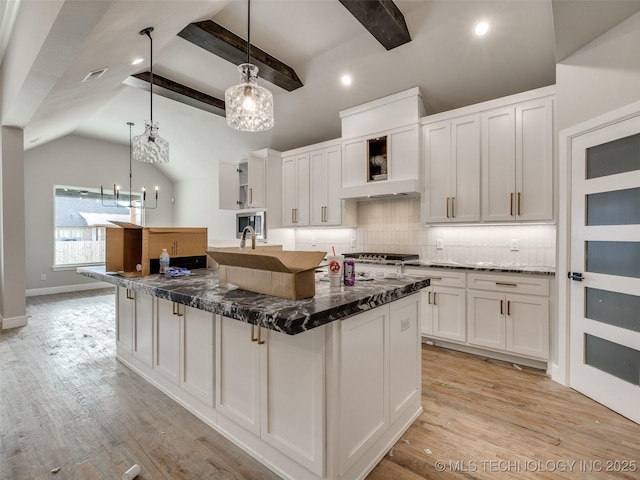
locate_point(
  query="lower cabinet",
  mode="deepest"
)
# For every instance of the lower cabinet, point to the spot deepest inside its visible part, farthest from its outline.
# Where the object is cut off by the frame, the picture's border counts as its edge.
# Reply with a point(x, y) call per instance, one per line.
point(184, 348)
point(272, 384)
point(379, 376)
point(125, 314)
point(511, 322)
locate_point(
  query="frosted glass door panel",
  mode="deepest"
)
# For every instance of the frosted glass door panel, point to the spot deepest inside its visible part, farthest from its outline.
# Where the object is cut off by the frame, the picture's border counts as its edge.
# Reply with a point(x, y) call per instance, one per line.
point(611, 158)
point(613, 258)
point(612, 358)
point(618, 207)
point(613, 308)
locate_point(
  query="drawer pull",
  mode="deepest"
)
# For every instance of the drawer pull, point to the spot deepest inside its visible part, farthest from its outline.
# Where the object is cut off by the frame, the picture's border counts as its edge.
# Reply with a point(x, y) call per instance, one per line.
point(506, 284)
point(435, 278)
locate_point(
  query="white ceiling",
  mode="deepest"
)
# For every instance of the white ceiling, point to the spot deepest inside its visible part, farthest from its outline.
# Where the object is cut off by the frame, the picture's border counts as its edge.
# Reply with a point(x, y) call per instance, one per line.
point(318, 38)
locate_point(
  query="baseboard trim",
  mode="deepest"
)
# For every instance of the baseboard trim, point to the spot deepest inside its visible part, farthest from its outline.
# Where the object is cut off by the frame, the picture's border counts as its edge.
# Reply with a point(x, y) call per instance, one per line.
point(14, 322)
point(66, 288)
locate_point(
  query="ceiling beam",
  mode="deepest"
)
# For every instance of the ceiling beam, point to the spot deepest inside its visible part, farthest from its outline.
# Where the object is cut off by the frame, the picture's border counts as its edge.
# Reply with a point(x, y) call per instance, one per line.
point(178, 92)
point(382, 18)
point(220, 41)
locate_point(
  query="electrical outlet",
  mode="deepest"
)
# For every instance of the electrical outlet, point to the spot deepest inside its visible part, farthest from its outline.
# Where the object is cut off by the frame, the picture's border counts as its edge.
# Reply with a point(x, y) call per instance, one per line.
point(439, 244)
point(43, 277)
point(405, 324)
point(515, 244)
point(313, 242)
point(353, 243)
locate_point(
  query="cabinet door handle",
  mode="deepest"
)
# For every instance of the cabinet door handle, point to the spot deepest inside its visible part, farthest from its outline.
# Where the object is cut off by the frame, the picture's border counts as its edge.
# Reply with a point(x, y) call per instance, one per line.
point(448, 207)
point(260, 341)
point(176, 309)
point(434, 298)
point(253, 331)
point(292, 220)
point(130, 295)
point(511, 204)
point(508, 307)
point(429, 300)
point(507, 284)
point(453, 207)
point(501, 307)
point(250, 195)
point(518, 210)
point(296, 215)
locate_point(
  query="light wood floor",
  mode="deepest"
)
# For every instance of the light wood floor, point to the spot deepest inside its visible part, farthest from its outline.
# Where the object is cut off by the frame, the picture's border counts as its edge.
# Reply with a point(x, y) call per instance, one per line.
point(66, 403)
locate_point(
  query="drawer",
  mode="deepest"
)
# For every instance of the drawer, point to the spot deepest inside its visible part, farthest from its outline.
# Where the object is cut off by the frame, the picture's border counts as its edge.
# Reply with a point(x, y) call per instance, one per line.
point(443, 277)
point(530, 285)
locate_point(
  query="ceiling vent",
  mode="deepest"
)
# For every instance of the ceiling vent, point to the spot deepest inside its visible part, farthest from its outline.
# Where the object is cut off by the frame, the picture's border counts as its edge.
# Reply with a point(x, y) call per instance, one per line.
point(95, 74)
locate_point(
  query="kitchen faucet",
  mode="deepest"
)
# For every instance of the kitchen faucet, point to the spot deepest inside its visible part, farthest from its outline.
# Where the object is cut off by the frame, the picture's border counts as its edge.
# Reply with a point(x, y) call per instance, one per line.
point(243, 240)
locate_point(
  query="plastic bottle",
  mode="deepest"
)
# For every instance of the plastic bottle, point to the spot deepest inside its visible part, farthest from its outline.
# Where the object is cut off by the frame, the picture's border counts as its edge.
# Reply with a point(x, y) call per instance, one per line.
point(164, 261)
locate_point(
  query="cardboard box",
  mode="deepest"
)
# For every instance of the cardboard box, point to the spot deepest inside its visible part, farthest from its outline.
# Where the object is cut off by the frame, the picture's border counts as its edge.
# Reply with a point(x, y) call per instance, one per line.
point(129, 245)
point(281, 273)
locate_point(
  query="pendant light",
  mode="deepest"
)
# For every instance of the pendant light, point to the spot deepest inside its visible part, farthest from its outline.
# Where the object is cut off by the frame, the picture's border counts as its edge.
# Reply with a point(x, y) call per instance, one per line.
point(115, 202)
point(249, 107)
point(150, 147)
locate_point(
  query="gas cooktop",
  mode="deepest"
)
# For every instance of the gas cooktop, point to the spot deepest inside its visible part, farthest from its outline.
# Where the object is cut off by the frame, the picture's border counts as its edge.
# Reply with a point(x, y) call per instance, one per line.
point(382, 257)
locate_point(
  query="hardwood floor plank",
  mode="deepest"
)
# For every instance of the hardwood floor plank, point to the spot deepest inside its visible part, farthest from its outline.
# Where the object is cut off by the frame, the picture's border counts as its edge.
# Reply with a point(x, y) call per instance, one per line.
point(66, 402)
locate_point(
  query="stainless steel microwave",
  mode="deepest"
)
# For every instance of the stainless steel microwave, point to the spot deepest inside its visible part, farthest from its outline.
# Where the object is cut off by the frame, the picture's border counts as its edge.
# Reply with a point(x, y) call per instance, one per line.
point(255, 219)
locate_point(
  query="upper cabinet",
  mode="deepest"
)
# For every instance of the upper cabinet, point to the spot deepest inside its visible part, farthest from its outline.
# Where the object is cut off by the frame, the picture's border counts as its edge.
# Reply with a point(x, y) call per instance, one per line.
point(311, 181)
point(381, 146)
point(490, 162)
point(295, 190)
point(517, 162)
point(452, 166)
point(243, 185)
point(384, 163)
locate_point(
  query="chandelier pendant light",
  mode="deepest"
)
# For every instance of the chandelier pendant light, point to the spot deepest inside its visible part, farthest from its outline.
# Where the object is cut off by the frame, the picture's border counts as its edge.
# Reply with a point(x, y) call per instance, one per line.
point(115, 201)
point(248, 106)
point(150, 147)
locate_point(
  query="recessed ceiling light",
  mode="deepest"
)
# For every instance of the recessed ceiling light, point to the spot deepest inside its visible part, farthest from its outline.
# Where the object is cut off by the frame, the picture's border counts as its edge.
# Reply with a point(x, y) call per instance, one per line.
point(346, 80)
point(137, 61)
point(481, 28)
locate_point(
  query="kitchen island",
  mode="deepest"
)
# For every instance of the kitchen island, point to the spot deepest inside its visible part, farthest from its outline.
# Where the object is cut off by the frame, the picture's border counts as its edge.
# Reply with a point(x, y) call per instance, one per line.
point(319, 388)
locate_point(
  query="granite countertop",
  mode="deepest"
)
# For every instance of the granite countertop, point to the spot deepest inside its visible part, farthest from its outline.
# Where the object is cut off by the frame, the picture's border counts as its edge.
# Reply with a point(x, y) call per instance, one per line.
point(478, 267)
point(202, 290)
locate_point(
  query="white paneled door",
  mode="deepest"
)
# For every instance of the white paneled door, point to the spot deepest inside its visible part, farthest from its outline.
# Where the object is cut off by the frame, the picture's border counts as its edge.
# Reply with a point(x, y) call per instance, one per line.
point(605, 266)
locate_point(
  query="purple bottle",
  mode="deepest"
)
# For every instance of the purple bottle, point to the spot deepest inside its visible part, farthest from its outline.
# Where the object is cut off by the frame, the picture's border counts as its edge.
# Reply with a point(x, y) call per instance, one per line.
point(349, 273)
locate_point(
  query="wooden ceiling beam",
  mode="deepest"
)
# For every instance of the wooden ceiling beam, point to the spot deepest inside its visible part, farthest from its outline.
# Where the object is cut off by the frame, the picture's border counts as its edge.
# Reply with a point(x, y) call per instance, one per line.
point(382, 18)
point(220, 41)
point(175, 91)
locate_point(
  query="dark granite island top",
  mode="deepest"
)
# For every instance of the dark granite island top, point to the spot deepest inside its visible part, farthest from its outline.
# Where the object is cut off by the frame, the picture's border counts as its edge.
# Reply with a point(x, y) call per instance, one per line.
point(203, 291)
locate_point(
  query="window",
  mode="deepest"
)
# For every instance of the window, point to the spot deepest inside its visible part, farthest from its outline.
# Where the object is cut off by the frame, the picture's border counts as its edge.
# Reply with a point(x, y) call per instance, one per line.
point(80, 222)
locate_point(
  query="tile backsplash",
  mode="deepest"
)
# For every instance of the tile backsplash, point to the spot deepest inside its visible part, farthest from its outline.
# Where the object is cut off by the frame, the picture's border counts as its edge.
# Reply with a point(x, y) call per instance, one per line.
point(393, 225)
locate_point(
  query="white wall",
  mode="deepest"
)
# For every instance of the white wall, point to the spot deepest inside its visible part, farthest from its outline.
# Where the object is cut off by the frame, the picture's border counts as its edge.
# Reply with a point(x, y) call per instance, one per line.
point(79, 162)
point(600, 77)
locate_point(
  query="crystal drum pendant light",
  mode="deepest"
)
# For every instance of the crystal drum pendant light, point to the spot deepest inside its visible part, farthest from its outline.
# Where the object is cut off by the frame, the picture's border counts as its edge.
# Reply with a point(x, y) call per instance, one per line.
point(150, 147)
point(249, 107)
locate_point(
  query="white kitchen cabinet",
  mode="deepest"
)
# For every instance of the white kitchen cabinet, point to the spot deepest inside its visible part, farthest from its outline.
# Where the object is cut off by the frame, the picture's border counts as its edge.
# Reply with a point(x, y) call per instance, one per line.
point(142, 346)
point(295, 194)
point(272, 384)
point(444, 306)
point(515, 322)
point(125, 313)
point(384, 163)
point(517, 162)
point(325, 184)
point(184, 348)
point(452, 170)
point(243, 185)
point(375, 386)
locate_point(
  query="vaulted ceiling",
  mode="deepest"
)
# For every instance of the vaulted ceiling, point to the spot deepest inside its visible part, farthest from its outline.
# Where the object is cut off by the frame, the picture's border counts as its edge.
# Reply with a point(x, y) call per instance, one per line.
point(319, 39)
